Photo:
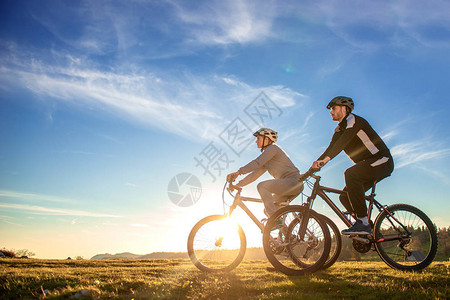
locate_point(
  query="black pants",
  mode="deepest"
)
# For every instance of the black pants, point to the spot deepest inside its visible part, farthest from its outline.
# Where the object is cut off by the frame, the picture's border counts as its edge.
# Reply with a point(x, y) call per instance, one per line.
point(361, 177)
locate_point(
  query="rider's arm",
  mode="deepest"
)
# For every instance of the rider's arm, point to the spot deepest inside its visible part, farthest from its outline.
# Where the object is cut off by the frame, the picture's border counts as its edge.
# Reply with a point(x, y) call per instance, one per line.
point(251, 177)
point(260, 161)
point(342, 138)
point(256, 165)
point(335, 137)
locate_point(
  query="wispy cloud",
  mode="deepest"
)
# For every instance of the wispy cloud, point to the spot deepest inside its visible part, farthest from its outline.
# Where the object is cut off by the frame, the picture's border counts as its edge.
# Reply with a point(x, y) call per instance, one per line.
point(33, 197)
point(372, 25)
point(180, 28)
point(381, 23)
point(300, 133)
point(139, 225)
point(415, 152)
point(6, 220)
point(226, 22)
point(40, 209)
point(436, 173)
point(387, 136)
point(426, 22)
point(54, 211)
point(173, 103)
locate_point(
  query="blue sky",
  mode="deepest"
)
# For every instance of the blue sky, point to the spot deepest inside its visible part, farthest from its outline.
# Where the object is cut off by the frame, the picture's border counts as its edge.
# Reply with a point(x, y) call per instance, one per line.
point(102, 103)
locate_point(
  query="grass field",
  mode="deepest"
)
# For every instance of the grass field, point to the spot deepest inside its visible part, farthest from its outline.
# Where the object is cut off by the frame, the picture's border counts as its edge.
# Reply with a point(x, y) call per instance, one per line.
point(179, 279)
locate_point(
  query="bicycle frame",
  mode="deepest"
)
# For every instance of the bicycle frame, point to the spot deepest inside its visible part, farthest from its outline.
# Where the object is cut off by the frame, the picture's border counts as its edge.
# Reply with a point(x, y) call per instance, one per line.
point(320, 190)
point(238, 201)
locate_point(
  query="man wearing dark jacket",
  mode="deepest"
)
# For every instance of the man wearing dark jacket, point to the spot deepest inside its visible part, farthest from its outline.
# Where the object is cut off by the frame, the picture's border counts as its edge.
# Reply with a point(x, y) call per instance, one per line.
point(372, 158)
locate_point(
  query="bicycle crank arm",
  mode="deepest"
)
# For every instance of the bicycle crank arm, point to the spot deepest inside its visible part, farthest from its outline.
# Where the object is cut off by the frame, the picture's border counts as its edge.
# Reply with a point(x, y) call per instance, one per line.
point(360, 239)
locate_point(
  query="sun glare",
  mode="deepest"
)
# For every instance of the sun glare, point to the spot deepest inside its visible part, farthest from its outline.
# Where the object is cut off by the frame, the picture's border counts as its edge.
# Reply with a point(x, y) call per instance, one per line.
point(226, 234)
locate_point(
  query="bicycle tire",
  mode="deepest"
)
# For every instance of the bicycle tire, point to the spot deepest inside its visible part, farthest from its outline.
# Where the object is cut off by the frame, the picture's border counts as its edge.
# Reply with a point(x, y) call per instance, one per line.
point(335, 240)
point(412, 253)
point(215, 246)
point(283, 248)
point(336, 243)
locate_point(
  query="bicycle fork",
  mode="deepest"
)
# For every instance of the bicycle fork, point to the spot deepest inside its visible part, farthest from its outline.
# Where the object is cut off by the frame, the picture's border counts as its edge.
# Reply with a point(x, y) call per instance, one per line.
point(303, 224)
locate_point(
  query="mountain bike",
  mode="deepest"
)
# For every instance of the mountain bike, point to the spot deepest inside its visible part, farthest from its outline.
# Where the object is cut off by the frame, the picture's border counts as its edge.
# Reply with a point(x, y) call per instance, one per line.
point(217, 243)
point(402, 235)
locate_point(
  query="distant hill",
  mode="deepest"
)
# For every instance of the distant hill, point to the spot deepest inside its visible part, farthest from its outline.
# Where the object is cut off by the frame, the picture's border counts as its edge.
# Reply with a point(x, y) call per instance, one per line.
point(164, 255)
point(154, 255)
point(251, 253)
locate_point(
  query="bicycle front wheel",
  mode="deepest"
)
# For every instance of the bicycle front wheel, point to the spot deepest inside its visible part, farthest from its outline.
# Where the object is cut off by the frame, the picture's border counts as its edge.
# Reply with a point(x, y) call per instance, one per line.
point(405, 239)
point(216, 244)
point(336, 243)
point(289, 252)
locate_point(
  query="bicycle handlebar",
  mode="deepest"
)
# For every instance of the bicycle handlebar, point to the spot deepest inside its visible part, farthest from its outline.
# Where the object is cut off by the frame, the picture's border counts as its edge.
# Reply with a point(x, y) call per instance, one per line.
point(308, 173)
point(231, 187)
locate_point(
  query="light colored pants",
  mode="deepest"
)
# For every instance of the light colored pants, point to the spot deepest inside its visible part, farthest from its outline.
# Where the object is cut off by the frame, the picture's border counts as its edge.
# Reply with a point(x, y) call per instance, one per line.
point(276, 191)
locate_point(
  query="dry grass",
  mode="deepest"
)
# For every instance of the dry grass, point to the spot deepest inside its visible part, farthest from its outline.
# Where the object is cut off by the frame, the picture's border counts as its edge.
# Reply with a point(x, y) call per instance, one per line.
point(179, 279)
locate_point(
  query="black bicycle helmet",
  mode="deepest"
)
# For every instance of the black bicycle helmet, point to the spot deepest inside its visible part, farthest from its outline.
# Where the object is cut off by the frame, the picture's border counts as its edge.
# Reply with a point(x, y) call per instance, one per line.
point(342, 100)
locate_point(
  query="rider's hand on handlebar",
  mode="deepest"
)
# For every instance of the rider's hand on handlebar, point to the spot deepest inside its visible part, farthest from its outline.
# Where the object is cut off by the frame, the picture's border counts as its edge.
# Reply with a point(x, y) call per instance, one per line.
point(232, 176)
point(318, 164)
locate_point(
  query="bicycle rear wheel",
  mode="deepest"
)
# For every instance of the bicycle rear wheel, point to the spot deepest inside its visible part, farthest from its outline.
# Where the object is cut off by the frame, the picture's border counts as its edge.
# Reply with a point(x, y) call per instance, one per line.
point(286, 250)
point(216, 244)
point(407, 240)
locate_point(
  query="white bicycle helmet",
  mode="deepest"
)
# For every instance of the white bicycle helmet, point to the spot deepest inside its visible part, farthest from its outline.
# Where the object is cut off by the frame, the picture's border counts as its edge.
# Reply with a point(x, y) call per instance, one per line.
point(271, 134)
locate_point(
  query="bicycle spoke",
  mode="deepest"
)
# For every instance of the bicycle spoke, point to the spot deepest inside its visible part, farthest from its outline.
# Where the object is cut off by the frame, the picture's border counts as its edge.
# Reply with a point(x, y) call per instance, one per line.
point(411, 249)
point(216, 244)
point(287, 250)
